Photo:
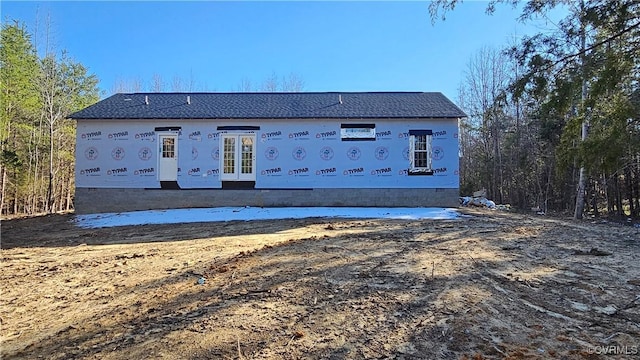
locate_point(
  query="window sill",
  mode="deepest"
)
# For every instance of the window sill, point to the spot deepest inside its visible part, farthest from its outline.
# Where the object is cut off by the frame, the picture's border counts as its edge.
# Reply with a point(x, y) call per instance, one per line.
point(413, 172)
point(358, 139)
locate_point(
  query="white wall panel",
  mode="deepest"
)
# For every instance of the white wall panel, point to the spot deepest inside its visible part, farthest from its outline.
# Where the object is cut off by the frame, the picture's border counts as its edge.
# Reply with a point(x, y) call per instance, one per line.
point(312, 155)
point(291, 154)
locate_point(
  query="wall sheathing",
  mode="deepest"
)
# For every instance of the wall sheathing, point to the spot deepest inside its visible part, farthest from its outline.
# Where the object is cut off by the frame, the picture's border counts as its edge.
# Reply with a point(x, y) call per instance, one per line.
point(292, 154)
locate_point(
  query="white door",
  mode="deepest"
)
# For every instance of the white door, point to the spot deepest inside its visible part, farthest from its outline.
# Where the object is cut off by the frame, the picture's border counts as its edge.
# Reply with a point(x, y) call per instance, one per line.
point(238, 160)
point(168, 157)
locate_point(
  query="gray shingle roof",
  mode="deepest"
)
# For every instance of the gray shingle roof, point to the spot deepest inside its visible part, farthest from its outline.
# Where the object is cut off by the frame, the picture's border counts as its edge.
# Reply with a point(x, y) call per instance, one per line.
point(306, 105)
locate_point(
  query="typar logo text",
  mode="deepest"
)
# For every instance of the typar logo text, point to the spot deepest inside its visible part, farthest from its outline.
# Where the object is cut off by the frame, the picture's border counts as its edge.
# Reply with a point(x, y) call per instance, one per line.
point(327, 135)
point(299, 135)
point(384, 135)
point(93, 135)
point(95, 171)
point(327, 172)
point(272, 135)
point(381, 172)
point(441, 134)
point(145, 172)
point(119, 135)
point(272, 172)
point(195, 135)
point(147, 135)
point(299, 172)
point(123, 171)
point(215, 135)
point(354, 172)
point(440, 171)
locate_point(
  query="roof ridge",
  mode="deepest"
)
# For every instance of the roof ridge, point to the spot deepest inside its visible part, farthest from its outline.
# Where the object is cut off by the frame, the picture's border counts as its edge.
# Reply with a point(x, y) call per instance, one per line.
point(273, 92)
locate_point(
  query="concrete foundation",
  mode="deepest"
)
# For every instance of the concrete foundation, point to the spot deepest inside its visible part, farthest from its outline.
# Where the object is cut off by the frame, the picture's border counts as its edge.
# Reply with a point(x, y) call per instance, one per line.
point(102, 200)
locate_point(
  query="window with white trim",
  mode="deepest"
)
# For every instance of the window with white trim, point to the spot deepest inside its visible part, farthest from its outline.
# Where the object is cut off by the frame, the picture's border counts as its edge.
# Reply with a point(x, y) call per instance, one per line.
point(420, 152)
point(358, 132)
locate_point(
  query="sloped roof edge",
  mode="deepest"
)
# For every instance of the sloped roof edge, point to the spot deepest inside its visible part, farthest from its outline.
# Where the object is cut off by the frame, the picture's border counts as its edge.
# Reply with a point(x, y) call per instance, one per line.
point(290, 105)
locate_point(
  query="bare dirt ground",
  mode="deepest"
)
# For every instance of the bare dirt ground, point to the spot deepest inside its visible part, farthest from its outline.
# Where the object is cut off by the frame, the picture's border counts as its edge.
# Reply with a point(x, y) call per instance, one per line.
point(492, 285)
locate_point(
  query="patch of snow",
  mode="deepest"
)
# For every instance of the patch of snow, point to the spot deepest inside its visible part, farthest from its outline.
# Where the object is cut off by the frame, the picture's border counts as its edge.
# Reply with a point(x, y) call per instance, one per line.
point(175, 216)
point(479, 201)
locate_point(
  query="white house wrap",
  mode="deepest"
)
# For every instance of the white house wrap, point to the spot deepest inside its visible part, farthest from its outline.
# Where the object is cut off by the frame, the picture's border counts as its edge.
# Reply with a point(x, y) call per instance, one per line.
point(161, 150)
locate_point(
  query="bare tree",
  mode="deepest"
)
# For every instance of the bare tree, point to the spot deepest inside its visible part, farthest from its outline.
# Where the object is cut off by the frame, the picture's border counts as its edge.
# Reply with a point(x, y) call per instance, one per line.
point(136, 85)
point(270, 84)
point(244, 86)
point(482, 95)
point(127, 85)
point(292, 83)
point(119, 86)
point(191, 84)
point(176, 85)
point(157, 84)
point(62, 84)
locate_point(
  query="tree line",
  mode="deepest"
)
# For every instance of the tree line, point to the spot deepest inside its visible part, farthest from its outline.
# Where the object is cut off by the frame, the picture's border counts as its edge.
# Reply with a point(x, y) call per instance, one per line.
point(554, 119)
point(273, 83)
point(37, 140)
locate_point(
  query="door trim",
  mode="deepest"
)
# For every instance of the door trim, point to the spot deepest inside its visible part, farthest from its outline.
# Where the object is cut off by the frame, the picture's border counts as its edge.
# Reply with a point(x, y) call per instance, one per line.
point(173, 173)
point(238, 160)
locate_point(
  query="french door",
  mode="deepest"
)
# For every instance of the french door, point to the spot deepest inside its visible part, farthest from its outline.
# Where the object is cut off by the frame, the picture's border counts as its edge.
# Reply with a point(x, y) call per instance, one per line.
point(238, 160)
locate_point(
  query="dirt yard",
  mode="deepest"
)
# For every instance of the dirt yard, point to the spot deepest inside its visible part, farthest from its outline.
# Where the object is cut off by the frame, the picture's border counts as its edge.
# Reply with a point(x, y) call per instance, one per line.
point(491, 285)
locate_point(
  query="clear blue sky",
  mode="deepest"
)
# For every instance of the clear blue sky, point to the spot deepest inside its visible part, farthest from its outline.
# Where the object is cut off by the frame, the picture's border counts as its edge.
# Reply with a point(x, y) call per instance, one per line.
point(332, 46)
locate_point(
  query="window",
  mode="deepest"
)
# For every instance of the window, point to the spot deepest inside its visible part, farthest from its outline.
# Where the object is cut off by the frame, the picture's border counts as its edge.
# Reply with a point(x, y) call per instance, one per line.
point(229, 155)
point(168, 147)
point(358, 132)
point(247, 155)
point(420, 152)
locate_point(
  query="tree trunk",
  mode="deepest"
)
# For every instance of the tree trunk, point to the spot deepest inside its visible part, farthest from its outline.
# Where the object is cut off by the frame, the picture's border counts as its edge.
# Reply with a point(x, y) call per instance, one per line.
point(637, 186)
point(594, 199)
point(582, 180)
point(609, 194)
point(16, 196)
point(49, 202)
point(620, 209)
point(580, 192)
point(69, 197)
point(4, 188)
point(629, 189)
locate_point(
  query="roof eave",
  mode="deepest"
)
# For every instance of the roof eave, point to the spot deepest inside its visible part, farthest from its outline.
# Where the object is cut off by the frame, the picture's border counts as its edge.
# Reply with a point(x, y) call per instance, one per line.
point(271, 118)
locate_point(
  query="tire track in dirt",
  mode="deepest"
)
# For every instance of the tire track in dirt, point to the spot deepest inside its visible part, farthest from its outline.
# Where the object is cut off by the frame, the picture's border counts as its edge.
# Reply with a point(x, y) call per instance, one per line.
point(492, 286)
